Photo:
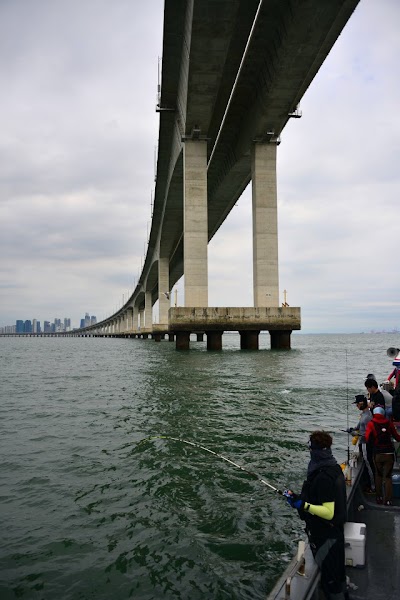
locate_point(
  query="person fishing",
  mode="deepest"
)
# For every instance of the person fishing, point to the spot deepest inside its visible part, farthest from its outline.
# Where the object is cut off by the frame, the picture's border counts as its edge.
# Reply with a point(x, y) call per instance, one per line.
point(379, 434)
point(322, 505)
point(366, 449)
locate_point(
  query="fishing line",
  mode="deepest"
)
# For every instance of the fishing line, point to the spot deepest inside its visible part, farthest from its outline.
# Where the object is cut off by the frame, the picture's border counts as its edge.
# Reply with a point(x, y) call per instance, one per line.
point(228, 460)
point(347, 400)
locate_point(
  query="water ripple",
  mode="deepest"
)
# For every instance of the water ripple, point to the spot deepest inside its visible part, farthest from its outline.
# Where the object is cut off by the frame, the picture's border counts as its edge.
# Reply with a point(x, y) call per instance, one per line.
point(87, 512)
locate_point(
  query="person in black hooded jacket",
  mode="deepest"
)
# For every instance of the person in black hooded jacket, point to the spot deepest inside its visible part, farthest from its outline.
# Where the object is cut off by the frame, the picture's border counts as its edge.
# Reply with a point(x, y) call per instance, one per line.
point(322, 505)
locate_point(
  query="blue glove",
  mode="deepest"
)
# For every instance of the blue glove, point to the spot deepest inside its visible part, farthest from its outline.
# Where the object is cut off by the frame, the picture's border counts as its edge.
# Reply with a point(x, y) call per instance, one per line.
point(293, 500)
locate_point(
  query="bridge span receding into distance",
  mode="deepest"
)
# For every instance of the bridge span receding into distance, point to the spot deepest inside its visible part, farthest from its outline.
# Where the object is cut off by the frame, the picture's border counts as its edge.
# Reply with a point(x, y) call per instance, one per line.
point(233, 74)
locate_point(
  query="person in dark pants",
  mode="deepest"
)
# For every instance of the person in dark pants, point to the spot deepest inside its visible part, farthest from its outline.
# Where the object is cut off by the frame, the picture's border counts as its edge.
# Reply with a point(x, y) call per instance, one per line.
point(379, 434)
point(322, 505)
point(365, 449)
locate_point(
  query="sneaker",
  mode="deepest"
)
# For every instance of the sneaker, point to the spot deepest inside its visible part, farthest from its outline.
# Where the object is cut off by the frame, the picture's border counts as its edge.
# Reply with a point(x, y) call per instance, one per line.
point(379, 500)
point(388, 503)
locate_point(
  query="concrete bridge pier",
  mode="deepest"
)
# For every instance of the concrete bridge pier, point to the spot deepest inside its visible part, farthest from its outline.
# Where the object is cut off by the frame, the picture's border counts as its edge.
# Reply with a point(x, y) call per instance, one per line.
point(195, 225)
point(171, 337)
point(280, 340)
point(200, 337)
point(164, 301)
point(265, 225)
point(182, 340)
point(129, 318)
point(135, 314)
point(214, 340)
point(249, 340)
point(148, 306)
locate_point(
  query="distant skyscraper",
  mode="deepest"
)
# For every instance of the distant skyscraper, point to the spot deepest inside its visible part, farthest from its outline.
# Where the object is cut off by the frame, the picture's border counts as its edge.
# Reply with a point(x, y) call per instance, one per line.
point(34, 326)
point(82, 325)
point(19, 327)
point(38, 329)
point(87, 319)
point(93, 320)
point(67, 324)
point(46, 327)
point(28, 326)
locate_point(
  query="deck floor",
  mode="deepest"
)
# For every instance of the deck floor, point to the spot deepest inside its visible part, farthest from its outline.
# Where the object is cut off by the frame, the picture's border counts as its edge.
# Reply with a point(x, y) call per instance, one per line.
point(380, 578)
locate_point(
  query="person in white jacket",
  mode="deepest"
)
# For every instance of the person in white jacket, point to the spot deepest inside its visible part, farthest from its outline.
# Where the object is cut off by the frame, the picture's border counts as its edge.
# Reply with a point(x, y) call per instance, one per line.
point(366, 450)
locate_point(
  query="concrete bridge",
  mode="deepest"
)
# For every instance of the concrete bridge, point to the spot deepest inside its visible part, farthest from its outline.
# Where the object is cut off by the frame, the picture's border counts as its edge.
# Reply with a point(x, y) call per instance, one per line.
point(233, 74)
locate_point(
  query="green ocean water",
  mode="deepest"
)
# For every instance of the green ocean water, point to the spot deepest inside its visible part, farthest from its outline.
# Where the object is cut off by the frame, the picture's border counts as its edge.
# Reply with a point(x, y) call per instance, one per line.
point(88, 513)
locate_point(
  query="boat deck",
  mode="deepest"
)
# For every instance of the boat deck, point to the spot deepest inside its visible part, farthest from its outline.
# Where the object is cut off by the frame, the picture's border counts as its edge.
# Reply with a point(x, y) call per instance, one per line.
point(380, 578)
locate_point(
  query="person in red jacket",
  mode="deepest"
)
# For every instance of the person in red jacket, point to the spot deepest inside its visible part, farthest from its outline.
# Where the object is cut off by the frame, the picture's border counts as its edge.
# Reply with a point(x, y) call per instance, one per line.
point(379, 434)
point(396, 374)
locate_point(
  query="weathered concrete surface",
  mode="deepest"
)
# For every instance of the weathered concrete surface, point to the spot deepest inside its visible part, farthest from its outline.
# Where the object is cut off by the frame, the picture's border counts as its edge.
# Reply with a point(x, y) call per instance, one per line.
point(160, 328)
point(265, 225)
point(195, 223)
point(234, 319)
point(249, 340)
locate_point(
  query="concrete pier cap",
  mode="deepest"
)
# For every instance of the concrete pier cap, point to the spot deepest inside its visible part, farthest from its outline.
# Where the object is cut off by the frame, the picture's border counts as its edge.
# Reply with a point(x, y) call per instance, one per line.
point(279, 321)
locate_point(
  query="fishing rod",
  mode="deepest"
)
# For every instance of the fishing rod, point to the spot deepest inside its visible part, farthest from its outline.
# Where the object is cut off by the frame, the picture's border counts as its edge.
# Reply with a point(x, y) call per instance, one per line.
point(228, 460)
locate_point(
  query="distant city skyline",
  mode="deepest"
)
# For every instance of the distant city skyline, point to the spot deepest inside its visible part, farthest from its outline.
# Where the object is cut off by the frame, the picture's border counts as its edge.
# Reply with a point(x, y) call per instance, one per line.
point(58, 325)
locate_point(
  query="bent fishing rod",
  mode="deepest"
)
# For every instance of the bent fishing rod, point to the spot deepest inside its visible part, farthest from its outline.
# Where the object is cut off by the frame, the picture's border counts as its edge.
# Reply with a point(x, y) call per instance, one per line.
point(228, 460)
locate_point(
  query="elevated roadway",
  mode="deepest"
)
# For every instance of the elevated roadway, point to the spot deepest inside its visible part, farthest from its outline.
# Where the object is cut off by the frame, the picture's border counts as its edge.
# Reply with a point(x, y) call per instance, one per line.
point(233, 74)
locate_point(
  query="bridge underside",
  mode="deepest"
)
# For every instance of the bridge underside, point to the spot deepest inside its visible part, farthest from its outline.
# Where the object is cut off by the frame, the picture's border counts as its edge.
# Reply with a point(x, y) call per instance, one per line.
point(233, 73)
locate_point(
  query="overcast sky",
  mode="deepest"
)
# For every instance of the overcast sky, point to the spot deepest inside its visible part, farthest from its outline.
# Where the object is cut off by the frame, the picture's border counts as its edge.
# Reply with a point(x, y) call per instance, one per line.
point(78, 135)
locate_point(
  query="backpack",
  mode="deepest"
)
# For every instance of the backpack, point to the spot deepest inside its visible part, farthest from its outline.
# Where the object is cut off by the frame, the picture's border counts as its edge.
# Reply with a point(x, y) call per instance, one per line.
point(383, 437)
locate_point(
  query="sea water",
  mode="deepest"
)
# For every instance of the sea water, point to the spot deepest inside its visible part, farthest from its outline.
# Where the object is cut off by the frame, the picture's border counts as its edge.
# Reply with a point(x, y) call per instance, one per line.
point(88, 512)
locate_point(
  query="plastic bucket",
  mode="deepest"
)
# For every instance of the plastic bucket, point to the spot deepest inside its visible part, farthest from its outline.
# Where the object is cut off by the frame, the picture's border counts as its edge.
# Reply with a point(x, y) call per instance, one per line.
point(396, 485)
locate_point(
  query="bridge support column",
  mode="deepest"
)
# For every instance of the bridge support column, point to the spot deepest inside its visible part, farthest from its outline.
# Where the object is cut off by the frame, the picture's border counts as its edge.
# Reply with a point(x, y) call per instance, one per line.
point(195, 222)
point(135, 313)
point(265, 225)
point(200, 337)
point(156, 337)
point(148, 306)
point(182, 340)
point(280, 340)
point(141, 319)
point(171, 337)
point(249, 340)
point(214, 340)
point(129, 318)
point(164, 301)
